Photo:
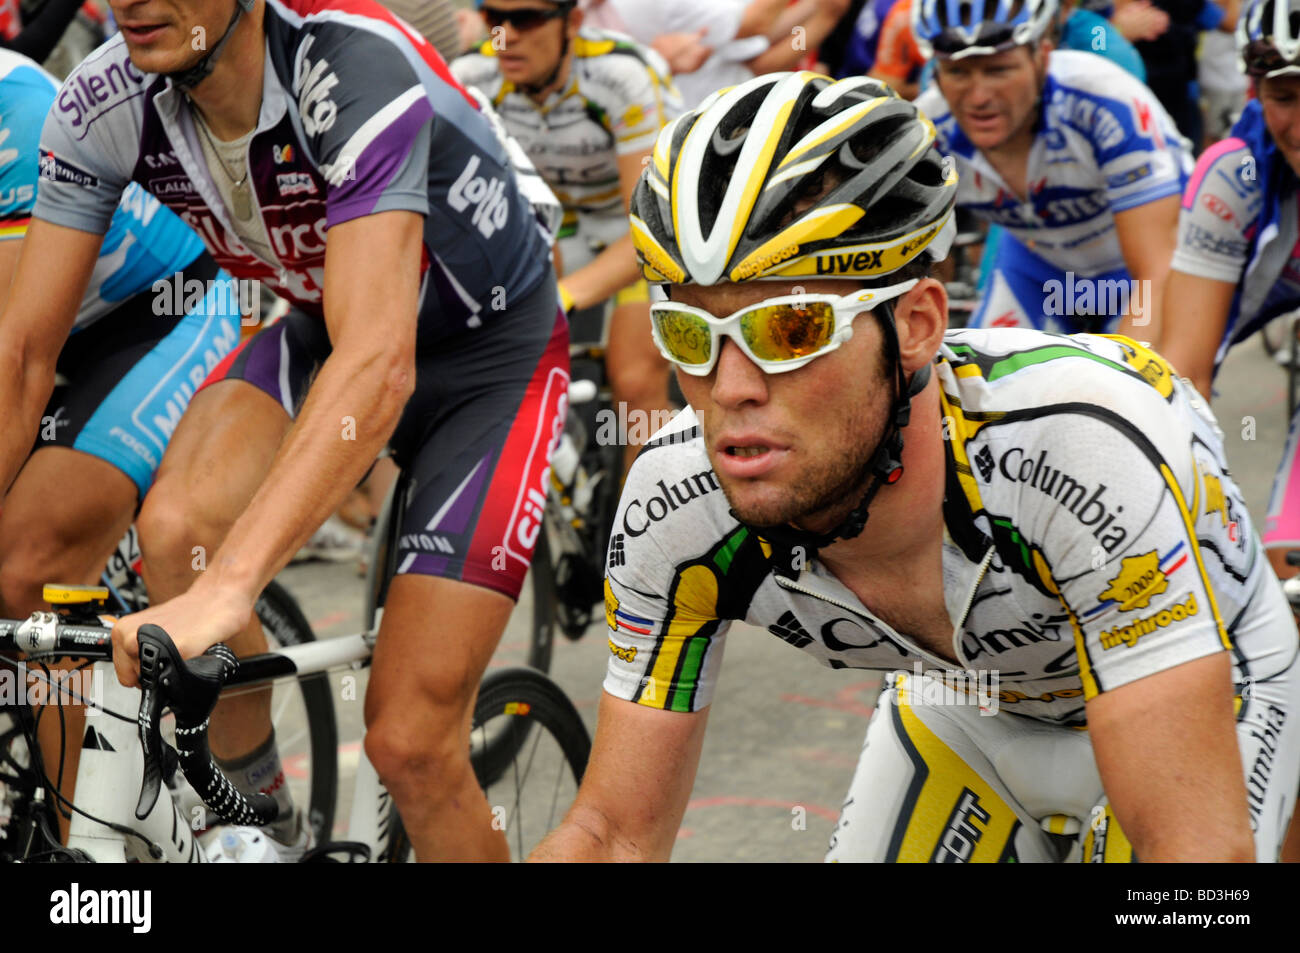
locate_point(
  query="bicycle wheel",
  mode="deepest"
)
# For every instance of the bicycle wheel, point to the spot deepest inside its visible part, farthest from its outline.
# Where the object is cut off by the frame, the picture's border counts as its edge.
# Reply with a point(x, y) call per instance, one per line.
point(530, 781)
point(284, 623)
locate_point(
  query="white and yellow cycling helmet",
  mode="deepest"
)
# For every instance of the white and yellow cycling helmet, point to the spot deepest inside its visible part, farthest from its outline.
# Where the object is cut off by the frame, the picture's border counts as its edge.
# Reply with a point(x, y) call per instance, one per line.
point(720, 199)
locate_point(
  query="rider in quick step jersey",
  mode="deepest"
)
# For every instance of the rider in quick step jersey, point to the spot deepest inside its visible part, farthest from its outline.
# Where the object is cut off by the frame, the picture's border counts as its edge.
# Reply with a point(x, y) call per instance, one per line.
point(1237, 265)
point(1074, 157)
point(134, 355)
point(586, 106)
point(1057, 568)
point(322, 146)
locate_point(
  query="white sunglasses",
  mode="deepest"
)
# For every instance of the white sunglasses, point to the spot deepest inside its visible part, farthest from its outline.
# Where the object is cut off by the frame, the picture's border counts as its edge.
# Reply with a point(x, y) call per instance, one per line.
point(779, 334)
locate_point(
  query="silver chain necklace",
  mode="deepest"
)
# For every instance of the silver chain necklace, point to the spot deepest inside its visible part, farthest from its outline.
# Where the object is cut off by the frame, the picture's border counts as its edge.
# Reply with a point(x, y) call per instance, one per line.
point(240, 193)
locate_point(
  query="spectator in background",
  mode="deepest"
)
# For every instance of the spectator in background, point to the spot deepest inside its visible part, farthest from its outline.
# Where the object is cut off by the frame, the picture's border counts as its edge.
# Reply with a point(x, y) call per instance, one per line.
point(860, 49)
point(1089, 31)
point(743, 38)
point(37, 38)
point(1170, 57)
point(436, 20)
point(899, 60)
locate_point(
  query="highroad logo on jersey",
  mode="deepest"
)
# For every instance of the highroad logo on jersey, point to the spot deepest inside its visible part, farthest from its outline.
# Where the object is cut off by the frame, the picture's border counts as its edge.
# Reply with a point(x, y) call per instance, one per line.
point(76, 906)
point(1129, 634)
point(487, 195)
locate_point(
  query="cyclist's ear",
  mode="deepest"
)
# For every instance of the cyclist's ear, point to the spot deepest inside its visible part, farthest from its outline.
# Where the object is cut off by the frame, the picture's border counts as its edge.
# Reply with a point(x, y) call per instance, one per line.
point(576, 16)
point(921, 317)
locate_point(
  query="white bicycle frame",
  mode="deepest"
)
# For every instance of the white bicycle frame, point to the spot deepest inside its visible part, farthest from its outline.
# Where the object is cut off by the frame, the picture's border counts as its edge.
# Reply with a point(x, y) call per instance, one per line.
point(112, 766)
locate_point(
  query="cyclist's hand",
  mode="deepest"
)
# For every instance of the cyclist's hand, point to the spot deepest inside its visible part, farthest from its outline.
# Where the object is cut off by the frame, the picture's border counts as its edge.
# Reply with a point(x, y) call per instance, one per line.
point(196, 621)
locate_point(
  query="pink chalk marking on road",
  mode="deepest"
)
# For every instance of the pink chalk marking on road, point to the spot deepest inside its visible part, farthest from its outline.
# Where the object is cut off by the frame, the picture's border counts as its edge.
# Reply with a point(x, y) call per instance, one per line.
point(845, 700)
point(330, 619)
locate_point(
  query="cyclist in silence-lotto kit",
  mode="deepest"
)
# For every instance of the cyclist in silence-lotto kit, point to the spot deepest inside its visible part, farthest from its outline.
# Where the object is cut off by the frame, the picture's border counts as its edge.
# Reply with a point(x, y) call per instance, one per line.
point(325, 149)
point(1237, 265)
point(101, 390)
point(1074, 157)
point(586, 106)
point(1056, 568)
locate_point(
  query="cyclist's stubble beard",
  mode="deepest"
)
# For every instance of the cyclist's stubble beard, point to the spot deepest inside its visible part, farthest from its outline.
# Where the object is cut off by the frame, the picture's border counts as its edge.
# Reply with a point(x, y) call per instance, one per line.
point(835, 466)
point(191, 25)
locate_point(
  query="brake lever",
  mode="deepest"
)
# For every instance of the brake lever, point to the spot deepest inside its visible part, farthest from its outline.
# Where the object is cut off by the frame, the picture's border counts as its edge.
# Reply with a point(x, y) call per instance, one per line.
point(190, 690)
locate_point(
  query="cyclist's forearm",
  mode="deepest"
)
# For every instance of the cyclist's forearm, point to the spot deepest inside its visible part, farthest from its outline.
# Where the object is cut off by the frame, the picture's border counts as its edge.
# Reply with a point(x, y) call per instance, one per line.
point(610, 272)
point(24, 392)
point(351, 411)
point(587, 836)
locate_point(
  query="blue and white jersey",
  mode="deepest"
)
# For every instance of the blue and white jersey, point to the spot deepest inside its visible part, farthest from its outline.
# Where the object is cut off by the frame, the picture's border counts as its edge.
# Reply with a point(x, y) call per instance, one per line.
point(144, 242)
point(1103, 145)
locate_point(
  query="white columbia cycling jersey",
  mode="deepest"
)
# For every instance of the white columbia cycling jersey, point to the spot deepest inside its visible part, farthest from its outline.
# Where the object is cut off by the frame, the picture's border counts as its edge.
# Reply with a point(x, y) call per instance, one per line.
point(1104, 144)
point(1093, 537)
point(618, 96)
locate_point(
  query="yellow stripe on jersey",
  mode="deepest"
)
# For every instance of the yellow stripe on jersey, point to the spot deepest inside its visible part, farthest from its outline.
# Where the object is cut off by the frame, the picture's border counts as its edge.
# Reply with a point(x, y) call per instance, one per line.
point(1193, 542)
point(1115, 847)
point(962, 430)
point(948, 781)
point(695, 604)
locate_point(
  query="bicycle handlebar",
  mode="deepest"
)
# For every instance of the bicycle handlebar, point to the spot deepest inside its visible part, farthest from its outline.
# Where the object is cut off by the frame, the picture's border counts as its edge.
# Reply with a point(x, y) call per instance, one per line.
point(190, 689)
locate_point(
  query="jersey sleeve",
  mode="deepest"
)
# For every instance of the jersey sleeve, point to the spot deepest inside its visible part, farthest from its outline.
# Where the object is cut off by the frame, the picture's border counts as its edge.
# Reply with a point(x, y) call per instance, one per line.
point(1138, 148)
point(1121, 522)
point(366, 118)
point(88, 150)
point(23, 106)
point(1220, 213)
point(665, 632)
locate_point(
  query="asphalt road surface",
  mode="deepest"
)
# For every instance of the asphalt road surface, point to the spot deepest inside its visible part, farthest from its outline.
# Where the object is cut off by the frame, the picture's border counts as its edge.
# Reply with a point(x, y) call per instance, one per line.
point(784, 733)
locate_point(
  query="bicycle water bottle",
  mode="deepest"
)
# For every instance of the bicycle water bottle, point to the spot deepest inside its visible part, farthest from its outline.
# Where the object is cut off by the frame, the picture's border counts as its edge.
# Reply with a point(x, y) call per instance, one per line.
point(242, 845)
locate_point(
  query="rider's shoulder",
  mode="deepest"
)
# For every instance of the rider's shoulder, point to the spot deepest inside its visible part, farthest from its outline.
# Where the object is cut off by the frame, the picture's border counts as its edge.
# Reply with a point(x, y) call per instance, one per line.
point(607, 56)
point(1090, 73)
point(479, 67)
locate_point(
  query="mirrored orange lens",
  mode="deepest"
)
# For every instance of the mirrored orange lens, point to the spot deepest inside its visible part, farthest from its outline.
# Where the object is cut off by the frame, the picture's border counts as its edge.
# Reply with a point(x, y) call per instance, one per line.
point(784, 332)
point(684, 336)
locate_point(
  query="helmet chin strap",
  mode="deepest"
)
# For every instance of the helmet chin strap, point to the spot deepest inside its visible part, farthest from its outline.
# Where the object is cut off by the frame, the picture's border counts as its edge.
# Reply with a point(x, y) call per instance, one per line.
point(190, 77)
point(885, 466)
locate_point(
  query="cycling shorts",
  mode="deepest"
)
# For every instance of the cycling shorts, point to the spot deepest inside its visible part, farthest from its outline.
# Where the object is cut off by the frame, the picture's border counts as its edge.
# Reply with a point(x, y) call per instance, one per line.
point(127, 378)
point(1024, 291)
point(940, 782)
point(475, 438)
point(581, 241)
point(1282, 524)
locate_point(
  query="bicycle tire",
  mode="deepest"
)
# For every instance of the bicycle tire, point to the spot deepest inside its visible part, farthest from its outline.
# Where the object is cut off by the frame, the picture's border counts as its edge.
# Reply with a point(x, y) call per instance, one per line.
point(527, 700)
point(541, 583)
point(284, 621)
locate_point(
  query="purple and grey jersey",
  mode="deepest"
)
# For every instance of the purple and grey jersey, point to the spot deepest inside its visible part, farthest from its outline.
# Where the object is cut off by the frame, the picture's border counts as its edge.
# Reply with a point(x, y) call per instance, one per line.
point(359, 115)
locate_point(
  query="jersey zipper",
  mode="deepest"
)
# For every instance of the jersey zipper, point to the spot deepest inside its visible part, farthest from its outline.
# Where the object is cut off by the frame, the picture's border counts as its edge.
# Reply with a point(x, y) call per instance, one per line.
point(864, 612)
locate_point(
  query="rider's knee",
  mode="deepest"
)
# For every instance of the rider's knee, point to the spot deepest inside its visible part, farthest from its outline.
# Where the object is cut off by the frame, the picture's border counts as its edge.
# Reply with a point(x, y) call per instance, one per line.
point(409, 751)
point(22, 574)
point(171, 525)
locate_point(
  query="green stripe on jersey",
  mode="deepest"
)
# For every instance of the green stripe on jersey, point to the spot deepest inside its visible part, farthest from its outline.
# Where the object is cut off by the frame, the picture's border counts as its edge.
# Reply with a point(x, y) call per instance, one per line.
point(1015, 362)
point(728, 551)
point(690, 674)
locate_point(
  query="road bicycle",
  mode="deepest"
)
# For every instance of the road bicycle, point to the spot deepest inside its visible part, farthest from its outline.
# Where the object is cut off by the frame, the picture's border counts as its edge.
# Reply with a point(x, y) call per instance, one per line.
point(525, 731)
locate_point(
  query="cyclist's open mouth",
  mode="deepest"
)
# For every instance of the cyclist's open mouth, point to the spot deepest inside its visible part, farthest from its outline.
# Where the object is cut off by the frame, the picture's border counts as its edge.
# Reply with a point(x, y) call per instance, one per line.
point(743, 456)
point(143, 32)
